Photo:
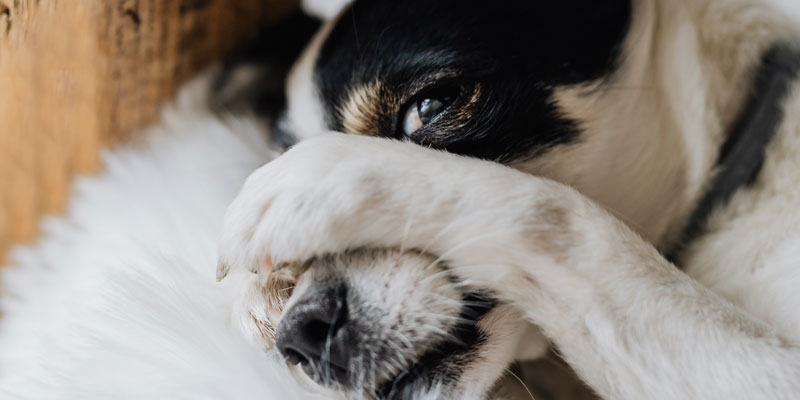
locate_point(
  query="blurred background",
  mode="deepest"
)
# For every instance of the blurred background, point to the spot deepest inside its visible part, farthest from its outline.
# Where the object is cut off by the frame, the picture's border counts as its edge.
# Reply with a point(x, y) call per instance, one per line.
point(77, 76)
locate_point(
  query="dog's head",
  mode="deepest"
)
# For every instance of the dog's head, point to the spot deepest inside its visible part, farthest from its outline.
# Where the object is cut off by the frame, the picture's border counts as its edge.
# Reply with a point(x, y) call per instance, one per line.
point(542, 86)
point(477, 78)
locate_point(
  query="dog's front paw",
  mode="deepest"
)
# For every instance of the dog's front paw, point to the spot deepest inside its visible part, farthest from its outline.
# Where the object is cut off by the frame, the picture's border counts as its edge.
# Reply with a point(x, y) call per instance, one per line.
point(325, 195)
point(339, 192)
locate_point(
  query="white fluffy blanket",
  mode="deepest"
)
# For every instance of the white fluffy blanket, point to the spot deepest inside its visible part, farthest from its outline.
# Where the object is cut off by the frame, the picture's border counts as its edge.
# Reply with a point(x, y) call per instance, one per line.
point(118, 298)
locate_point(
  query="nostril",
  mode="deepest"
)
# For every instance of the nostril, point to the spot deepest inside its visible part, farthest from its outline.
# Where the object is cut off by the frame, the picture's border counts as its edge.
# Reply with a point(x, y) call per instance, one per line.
point(294, 356)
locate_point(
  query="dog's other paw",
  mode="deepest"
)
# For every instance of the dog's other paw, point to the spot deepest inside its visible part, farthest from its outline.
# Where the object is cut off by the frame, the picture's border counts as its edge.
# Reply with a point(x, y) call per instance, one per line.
point(261, 302)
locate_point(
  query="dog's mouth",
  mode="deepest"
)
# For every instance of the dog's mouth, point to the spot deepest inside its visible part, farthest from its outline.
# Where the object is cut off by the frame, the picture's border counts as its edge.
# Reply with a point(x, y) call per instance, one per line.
point(439, 367)
point(444, 363)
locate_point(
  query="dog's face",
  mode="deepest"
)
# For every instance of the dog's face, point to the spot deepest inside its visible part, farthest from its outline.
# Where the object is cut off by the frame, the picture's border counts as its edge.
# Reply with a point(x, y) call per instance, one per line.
point(473, 77)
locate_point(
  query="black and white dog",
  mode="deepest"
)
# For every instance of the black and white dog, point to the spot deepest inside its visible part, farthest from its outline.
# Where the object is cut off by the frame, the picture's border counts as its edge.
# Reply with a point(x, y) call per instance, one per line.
point(622, 174)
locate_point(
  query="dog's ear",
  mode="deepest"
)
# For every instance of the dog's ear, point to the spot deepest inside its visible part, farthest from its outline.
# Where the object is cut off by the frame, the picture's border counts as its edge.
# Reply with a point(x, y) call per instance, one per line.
point(253, 79)
point(580, 39)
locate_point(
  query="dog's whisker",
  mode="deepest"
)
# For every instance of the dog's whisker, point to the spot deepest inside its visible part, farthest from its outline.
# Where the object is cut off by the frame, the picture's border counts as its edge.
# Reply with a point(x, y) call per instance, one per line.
point(509, 371)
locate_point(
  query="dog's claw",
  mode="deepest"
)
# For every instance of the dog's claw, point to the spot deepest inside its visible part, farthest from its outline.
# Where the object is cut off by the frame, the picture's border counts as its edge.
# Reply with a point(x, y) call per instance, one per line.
point(222, 270)
point(267, 266)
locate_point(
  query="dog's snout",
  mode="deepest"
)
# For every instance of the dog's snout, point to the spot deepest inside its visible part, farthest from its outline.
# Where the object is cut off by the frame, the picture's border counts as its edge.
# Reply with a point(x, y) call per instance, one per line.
point(313, 333)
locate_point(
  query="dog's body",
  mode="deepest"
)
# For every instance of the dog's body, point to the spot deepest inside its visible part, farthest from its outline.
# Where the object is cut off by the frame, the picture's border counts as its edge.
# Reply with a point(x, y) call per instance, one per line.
point(643, 141)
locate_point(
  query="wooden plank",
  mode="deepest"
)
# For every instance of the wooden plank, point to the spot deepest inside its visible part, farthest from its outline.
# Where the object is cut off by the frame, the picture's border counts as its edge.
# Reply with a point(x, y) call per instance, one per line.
point(79, 75)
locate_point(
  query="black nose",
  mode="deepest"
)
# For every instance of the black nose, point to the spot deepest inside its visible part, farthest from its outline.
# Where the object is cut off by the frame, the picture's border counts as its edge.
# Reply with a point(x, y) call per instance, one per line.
point(313, 333)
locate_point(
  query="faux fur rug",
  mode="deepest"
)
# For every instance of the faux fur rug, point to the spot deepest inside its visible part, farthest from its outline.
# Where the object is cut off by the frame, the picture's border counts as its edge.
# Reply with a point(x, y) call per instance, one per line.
point(118, 298)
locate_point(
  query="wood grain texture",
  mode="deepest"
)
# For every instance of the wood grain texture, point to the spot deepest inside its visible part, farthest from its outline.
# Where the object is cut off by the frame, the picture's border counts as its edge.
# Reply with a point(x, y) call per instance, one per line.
point(79, 75)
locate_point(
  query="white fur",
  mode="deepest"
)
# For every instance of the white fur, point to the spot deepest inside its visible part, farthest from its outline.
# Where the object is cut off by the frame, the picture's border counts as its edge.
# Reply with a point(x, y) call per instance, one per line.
point(324, 9)
point(118, 298)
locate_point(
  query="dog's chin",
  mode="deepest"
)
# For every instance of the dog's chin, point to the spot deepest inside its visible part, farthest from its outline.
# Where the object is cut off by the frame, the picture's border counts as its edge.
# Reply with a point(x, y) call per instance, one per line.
point(436, 372)
point(413, 384)
point(421, 378)
point(417, 381)
point(433, 373)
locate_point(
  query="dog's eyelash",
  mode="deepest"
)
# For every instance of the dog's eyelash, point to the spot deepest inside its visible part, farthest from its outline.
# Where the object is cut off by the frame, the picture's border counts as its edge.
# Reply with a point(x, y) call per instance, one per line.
point(451, 91)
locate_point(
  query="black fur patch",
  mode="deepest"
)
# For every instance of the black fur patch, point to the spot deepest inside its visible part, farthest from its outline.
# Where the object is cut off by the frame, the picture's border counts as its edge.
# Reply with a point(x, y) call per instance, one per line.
point(272, 50)
point(507, 56)
point(447, 361)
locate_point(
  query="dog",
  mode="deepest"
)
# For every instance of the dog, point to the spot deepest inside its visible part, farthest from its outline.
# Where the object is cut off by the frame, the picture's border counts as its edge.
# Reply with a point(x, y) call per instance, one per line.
point(473, 177)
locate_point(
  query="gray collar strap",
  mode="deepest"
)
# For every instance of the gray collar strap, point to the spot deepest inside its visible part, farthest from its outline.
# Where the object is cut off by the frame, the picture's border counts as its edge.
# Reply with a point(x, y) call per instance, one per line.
point(743, 153)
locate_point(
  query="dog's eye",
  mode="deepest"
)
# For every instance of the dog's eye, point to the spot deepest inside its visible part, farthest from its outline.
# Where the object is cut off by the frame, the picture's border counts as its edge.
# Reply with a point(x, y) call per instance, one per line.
point(428, 107)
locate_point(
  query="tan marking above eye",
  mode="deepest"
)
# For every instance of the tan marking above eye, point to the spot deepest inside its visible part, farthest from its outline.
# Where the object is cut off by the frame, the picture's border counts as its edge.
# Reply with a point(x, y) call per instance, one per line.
point(369, 105)
point(366, 107)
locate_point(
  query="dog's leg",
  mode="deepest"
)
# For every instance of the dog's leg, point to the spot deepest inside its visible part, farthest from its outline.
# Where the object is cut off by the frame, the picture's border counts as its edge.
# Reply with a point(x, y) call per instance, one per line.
point(631, 324)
